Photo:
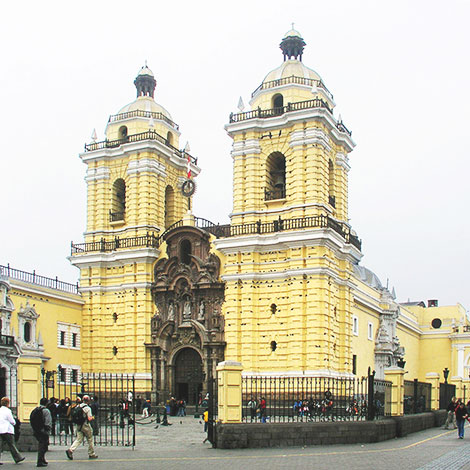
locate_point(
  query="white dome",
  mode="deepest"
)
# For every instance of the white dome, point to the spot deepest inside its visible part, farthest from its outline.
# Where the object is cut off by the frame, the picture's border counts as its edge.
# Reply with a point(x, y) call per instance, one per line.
point(145, 71)
point(292, 33)
point(145, 103)
point(289, 68)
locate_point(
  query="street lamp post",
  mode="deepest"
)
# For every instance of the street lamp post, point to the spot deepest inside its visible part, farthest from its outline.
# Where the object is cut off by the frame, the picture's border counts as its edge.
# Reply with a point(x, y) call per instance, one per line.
point(446, 374)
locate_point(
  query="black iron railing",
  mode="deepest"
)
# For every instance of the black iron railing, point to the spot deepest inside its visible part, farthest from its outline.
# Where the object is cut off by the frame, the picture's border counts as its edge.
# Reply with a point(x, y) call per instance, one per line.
point(268, 113)
point(271, 194)
point(292, 79)
point(145, 114)
point(342, 128)
point(417, 397)
point(148, 135)
point(287, 399)
point(105, 246)
point(222, 231)
point(116, 216)
point(319, 221)
point(33, 278)
point(114, 405)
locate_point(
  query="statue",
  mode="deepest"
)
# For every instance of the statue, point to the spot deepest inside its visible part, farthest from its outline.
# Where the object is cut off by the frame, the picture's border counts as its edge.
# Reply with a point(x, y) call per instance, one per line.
point(171, 311)
point(187, 310)
point(201, 311)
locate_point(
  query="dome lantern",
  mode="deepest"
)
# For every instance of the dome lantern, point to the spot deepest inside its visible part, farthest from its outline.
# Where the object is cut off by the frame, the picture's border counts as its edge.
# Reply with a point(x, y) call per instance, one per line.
point(292, 45)
point(145, 82)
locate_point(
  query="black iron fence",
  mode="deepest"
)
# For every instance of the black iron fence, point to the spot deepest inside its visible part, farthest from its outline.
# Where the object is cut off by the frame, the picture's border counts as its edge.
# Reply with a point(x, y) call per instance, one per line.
point(222, 231)
point(293, 79)
point(113, 407)
point(33, 278)
point(417, 397)
point(212, 408)
point(268, 113)
point(145, 114)
point(148, 135)
point(287, 399)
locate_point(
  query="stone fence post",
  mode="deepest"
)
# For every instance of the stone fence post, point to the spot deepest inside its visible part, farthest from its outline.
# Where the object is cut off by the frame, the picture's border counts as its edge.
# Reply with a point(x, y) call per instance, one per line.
point(229, 374)
point(396, 376)
point(433, 379)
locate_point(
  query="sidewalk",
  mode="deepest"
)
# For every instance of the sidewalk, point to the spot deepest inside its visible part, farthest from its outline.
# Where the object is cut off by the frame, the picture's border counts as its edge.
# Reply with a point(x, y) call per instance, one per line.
point(180, 446)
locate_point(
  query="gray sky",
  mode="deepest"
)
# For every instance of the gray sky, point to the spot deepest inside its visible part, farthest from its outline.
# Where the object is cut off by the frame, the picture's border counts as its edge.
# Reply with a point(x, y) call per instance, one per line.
point(399, 72)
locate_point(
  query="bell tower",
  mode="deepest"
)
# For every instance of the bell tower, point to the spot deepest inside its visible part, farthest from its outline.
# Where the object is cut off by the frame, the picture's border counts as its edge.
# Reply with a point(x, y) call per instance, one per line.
point(290, 252)
point(134, 178)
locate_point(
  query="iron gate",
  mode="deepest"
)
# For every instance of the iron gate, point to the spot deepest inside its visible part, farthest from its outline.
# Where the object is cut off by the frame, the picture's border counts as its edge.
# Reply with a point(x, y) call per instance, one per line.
point(113, 405)
point(213, 410)
point(446, 392)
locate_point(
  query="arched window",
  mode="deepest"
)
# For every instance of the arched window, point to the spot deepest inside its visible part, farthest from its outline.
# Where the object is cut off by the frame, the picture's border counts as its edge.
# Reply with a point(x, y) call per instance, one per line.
point(185, 252)
point(27, 332)
point(169, 206)
point(278, 103)
point(275, 177)
point(123, 132)
point(169, 138)
point(119, 200)
point(331, 184)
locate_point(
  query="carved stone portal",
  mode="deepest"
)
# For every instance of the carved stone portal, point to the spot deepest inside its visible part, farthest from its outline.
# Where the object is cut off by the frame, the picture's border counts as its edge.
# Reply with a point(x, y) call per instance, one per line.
point(187, 329)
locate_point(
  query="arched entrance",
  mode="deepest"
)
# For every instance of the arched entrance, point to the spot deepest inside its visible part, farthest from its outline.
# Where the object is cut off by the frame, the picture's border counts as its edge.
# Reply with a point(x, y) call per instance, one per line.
point(3, 382)
point(188, 375)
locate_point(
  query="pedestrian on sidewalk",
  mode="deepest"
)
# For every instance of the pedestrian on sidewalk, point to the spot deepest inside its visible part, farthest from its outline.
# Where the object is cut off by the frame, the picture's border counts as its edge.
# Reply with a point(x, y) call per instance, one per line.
point(7, 429)
point(82, 417)
point(461, 415)
point(41, 422)
point(451, 414)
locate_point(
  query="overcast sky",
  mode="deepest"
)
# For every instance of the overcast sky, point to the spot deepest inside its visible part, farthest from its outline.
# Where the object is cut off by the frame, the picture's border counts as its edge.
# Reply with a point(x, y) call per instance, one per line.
point(399, 72)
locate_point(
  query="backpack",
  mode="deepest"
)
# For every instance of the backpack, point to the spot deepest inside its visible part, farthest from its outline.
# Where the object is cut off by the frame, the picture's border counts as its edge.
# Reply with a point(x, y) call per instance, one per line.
point(36, 419)
point(78, 415)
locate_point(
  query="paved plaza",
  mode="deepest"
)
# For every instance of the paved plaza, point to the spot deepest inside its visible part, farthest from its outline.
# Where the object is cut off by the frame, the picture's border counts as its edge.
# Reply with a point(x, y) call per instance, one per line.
point(181, 446)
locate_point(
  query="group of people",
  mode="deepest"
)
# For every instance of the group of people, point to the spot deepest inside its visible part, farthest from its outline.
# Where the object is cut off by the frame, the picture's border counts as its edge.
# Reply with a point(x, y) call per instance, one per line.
point(42, 424)
point(257, 409)
point(61, 415)
point(457, 414)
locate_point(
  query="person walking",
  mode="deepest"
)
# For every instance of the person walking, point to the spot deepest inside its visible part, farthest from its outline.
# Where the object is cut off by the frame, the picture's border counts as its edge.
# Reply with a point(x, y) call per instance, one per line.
point(7, 429)
point(82, 419)
point(451, 414)
point(461, 414)
point(41, 422)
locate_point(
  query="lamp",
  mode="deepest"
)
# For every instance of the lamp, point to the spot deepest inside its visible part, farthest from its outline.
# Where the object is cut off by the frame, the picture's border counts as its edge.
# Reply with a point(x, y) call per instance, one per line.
point(446, 374)
point(401, 362)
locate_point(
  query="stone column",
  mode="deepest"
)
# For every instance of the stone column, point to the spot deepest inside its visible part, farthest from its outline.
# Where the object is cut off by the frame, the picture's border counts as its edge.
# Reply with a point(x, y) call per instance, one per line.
point(229, 375)
point(396, 375)
point(433, 379)
point(29, 386)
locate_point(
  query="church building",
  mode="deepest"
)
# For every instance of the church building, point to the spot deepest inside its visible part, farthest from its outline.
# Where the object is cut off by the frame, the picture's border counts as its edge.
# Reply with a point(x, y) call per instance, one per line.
point(165, 295)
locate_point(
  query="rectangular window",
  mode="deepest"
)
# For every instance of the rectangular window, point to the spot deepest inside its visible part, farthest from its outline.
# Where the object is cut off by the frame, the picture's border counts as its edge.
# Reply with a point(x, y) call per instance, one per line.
point(74, 376)
point(370, 331)
point(74, 340)
point(355, 326)
point(62, 375)
point(62, 338)
point(354, 365)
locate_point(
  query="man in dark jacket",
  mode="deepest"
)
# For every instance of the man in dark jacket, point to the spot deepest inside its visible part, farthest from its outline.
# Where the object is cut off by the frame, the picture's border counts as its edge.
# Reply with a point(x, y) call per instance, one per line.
point(451, 414)
point(42, 435)
point(461, 414)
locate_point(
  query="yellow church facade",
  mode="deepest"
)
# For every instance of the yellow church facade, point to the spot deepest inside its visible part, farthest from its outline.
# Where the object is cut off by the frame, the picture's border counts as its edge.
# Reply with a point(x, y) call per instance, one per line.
point(165, 296)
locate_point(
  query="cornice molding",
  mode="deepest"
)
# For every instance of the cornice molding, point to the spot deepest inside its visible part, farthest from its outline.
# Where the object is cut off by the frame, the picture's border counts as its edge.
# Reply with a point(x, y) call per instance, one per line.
point(135, 167)
point(115, 258)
